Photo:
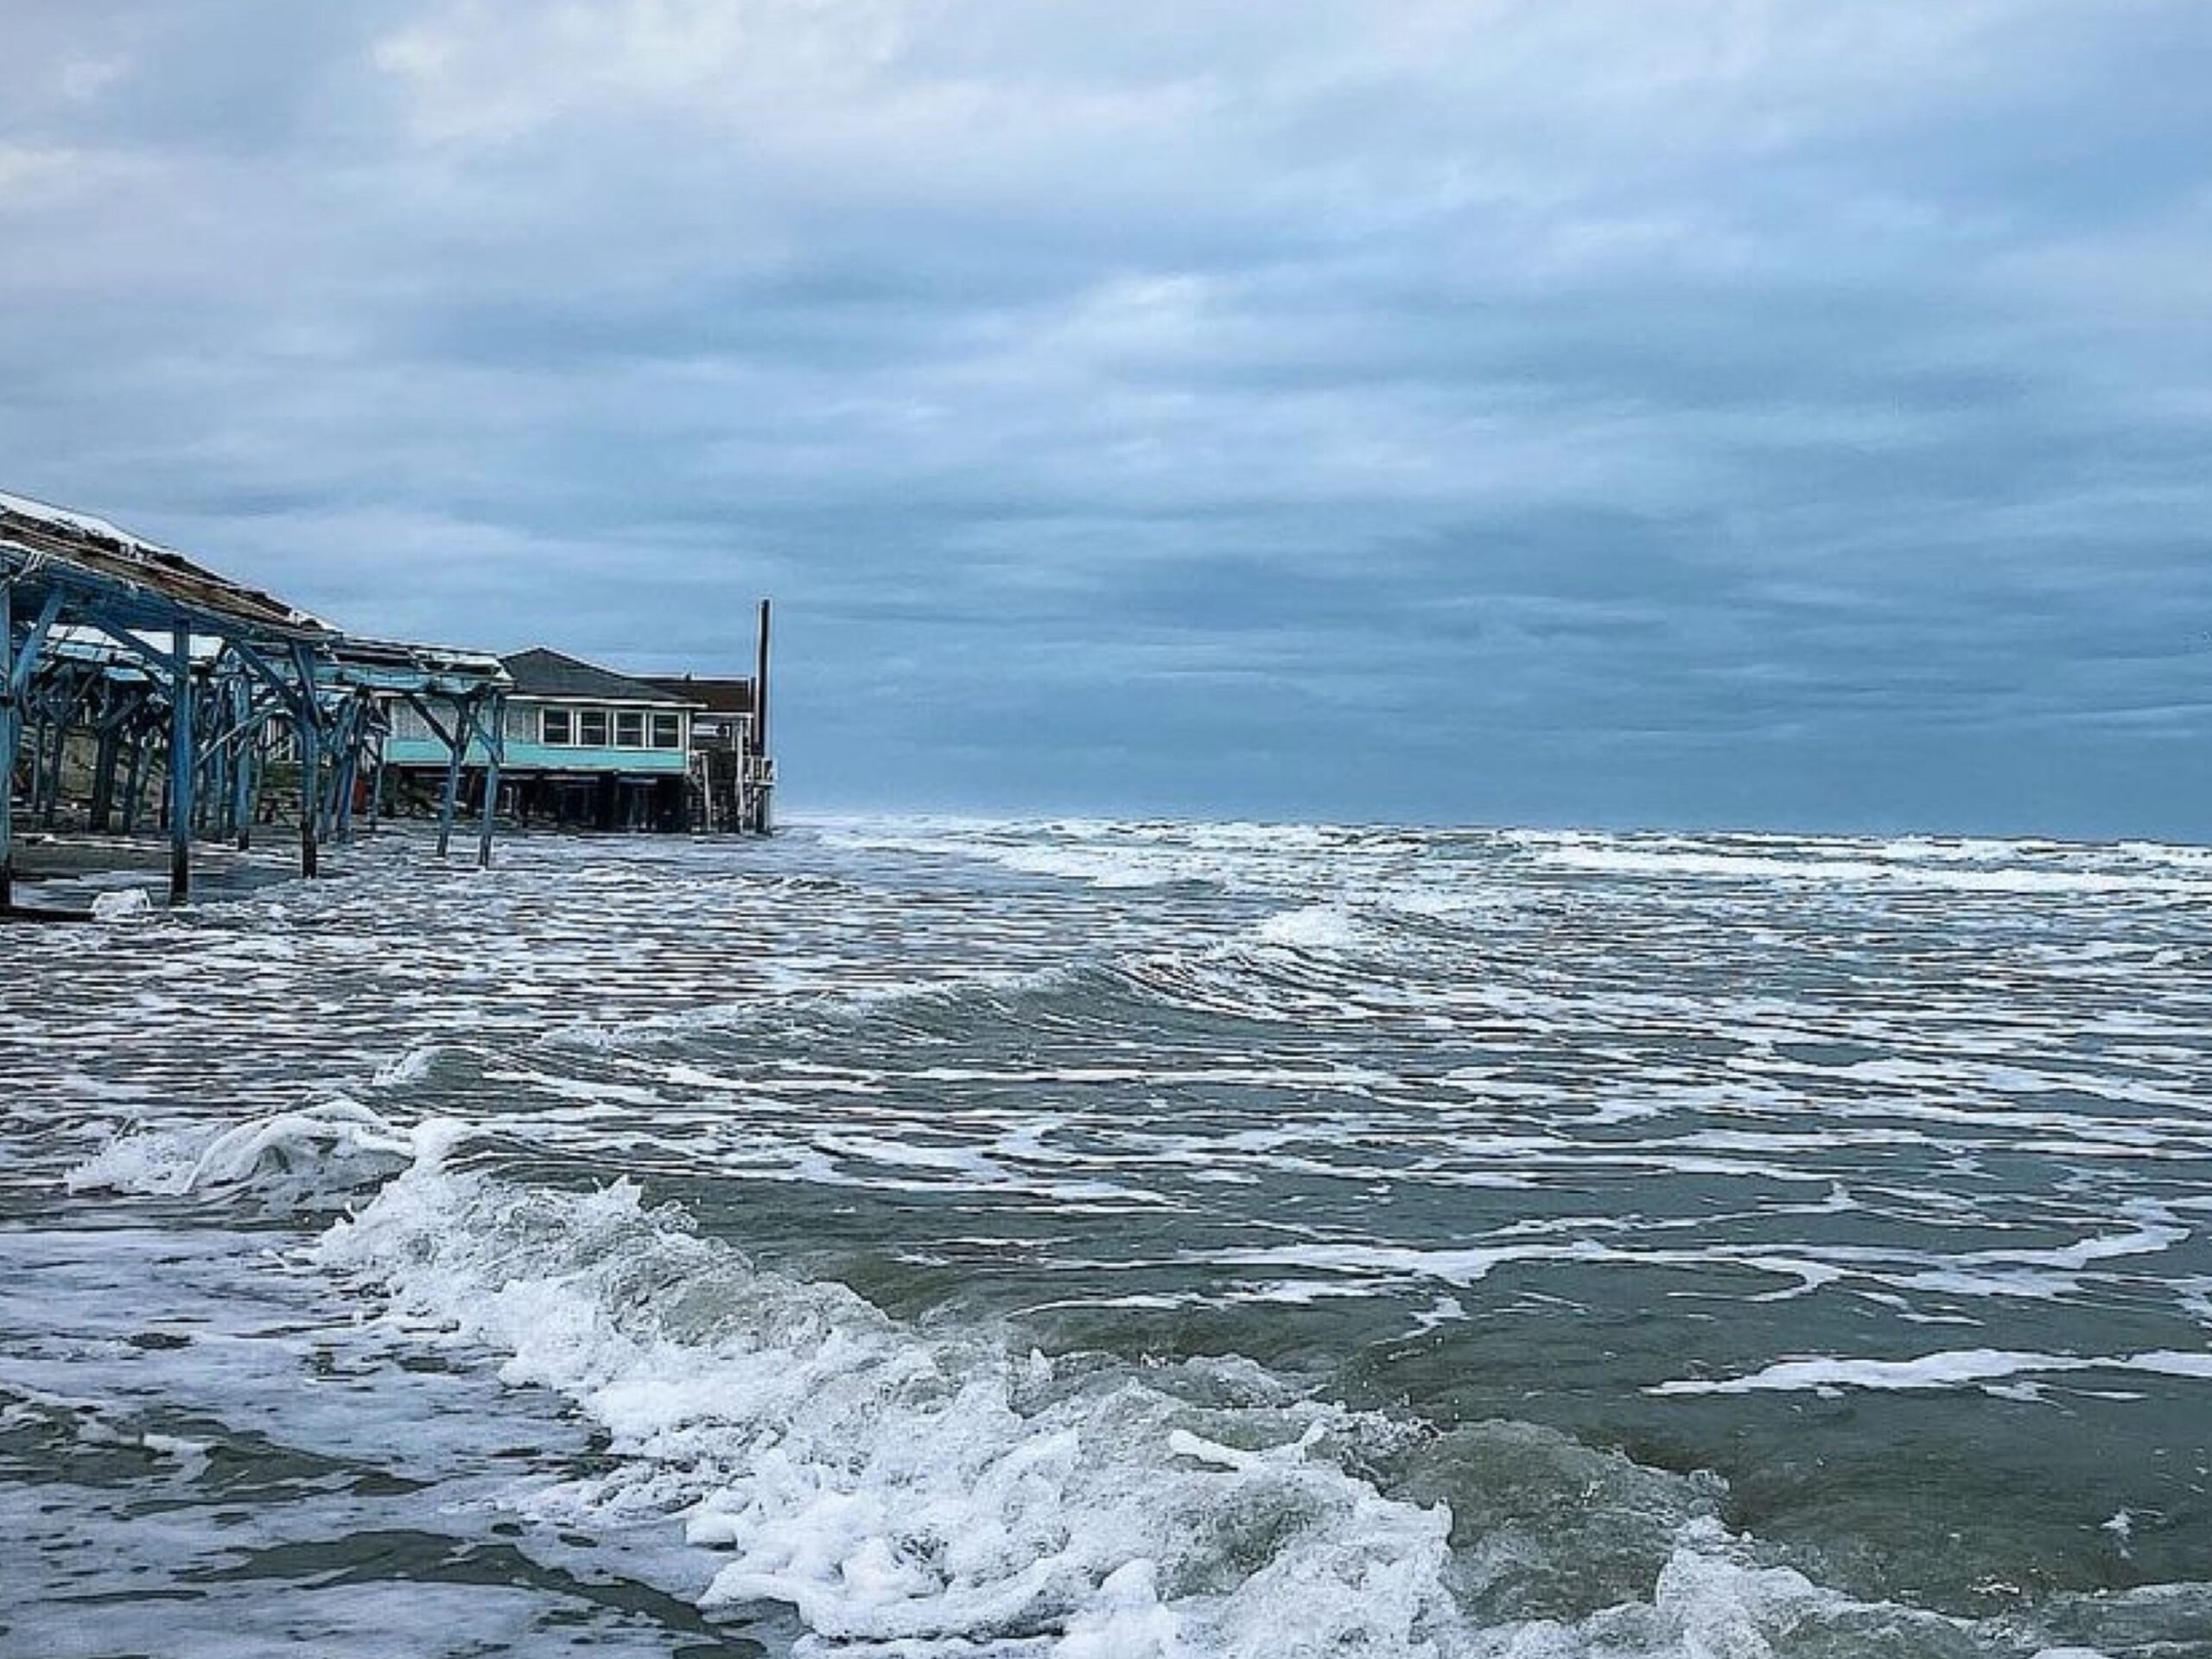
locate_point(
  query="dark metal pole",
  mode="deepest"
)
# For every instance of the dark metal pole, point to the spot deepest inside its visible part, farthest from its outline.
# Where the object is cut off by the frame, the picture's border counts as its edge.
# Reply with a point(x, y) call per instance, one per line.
point(760, 791)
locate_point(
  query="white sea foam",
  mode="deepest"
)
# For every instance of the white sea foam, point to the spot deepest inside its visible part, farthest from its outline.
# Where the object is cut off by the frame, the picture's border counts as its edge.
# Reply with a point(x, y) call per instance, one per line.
point(813, 995)
point(1312, 927)
point(410, 1068)
point(322, 1148)
point(1910, 872)
point(930, 1492)
point(1678, 1071)
point(121, 904)
point(1959, 1368)
point(942, 1493)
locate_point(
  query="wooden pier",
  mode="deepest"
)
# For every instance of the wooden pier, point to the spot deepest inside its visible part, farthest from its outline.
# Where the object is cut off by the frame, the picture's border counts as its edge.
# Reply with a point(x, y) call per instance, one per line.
point(189, 700)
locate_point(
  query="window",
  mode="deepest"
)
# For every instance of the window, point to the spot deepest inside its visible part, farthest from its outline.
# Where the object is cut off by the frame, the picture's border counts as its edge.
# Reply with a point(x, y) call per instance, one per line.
point(591, 728)
point(556, 728)
point(668, 731)
point(630, 729)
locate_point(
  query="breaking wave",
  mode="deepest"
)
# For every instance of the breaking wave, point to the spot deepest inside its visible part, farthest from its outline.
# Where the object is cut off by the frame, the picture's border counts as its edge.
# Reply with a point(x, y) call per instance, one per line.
point(942, 1493)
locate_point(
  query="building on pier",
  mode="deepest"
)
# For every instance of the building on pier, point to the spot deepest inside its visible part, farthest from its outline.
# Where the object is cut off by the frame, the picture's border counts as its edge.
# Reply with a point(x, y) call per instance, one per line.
point(587, 747)
point(584, 746)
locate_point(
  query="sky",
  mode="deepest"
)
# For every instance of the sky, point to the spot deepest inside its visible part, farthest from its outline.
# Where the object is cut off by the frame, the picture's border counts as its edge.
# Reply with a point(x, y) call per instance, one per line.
point(1696, 413)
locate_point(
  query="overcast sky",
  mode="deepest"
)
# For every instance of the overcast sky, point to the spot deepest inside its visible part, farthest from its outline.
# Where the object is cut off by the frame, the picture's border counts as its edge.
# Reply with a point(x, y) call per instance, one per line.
point(1620, 411)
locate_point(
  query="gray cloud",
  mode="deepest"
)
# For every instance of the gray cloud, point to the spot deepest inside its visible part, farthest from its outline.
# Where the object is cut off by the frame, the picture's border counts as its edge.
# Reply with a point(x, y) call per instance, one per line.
point(1442, 409)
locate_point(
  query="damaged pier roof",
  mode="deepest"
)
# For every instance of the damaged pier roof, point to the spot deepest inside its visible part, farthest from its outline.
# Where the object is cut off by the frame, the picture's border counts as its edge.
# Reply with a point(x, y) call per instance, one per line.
point(161, 659)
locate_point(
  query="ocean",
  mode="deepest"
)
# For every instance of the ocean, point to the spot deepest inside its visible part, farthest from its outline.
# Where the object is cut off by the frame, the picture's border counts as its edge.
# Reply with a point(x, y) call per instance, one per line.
point(943, 1239)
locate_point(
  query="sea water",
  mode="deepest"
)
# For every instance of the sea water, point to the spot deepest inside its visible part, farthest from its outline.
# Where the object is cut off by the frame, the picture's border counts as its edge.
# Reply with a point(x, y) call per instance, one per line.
point(923, 1237)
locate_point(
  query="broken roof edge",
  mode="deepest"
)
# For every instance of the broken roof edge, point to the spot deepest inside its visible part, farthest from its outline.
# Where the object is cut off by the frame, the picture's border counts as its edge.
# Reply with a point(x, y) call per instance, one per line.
point(356, 649)
point(106, 552)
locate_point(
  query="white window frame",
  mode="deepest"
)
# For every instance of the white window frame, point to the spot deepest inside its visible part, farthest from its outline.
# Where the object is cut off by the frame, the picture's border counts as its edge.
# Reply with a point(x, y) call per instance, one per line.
point(625, 717)
point(605, 741)
point(674, 727)
point(567, 718)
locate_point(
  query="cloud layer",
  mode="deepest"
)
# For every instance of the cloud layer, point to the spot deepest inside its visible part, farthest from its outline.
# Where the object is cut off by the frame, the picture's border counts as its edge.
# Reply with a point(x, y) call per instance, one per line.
point(1720, 412)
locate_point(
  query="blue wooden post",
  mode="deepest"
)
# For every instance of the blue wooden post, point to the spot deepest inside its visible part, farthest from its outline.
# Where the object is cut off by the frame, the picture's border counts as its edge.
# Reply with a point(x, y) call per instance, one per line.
point(307, 714)
point(376, 782)
point(32, 741)
point(180, 766)
point(495, 750)
point(457, 746)
point(215, 798)
point(15, 666)
point(345, 783)
point(249, 757)
point(101, 816)
point(11, 726)
point(134, 778)
point(57, 737)
point(310, 792)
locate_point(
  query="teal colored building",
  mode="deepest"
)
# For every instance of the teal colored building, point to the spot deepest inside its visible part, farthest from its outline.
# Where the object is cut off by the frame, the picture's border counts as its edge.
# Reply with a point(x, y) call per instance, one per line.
point(583, 745)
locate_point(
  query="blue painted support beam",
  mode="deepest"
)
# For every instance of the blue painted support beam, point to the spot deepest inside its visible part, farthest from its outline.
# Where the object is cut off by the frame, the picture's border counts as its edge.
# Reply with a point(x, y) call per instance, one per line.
point(495, 752)
point(457, 746)
point(56, 739)
point(345, 784)
point(16, 666)
point(215, 786)
point(377, 775)
point(228, 761)
point(308, 721)
point(27, 655)
point(101, 816)
point(134, 777)
point(34, 744)
point(244, 776)
point(181, 768)
point(327, 747)
point(236, 746)
point(310, 741)
point(11, 722)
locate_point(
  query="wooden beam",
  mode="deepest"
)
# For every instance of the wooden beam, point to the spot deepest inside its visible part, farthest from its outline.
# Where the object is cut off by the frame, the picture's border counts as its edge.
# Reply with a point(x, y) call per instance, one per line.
point(10, 734)
point(307, 721)
point(180, 767)
point(495, 750)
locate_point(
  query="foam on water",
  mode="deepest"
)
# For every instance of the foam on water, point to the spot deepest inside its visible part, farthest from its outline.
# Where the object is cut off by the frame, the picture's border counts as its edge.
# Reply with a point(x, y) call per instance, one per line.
point(318, 1152)
point(890, 1488)
point(1314, 927)
point(1970, 1367)
point(948, 1492)
point(1907, 865)
point(1703, 1158)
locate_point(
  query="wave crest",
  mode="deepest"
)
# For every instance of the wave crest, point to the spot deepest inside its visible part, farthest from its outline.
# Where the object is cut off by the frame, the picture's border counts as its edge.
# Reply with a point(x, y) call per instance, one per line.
point(898, 1488)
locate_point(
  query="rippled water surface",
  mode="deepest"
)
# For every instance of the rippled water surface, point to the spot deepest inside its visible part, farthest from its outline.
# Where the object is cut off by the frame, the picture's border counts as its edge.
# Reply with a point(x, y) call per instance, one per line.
point(1096, 1239)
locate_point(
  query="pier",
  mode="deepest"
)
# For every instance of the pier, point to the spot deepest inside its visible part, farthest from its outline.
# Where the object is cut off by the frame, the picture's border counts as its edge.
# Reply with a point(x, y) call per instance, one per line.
point(190, 704)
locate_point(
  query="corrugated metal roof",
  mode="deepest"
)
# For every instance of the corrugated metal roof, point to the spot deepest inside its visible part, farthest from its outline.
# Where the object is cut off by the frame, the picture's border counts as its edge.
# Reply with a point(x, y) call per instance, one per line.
point(539, 672)
point(130, 564)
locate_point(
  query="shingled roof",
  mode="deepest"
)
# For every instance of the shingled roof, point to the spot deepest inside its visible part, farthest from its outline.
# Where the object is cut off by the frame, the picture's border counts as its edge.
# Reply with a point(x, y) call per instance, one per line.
point(539, 672)
point(717, 696)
